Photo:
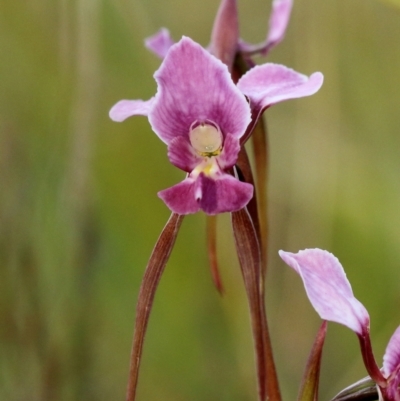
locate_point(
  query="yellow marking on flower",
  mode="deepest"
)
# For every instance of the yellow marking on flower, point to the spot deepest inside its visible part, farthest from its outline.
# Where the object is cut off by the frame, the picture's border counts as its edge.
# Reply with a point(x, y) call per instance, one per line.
point(208, 167)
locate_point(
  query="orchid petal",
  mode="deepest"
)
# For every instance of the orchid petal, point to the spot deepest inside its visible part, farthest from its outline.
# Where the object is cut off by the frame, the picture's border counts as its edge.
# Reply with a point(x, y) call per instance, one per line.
point(182, 155)
point(128, 108)
point(391, 359)
point(225, 33)
point(269, 83)
point(327, 288)
point(159, 43)
point(181, 198)
point(279, 19)
point(229, 153)
point(224, 194)
point(391, 366)
point(195, 86)
point(280, 15)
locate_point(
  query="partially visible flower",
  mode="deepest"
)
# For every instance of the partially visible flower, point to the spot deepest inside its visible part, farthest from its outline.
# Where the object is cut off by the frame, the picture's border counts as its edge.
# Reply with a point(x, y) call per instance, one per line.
point(226, 31)
point(202, 117)
point(331, 295)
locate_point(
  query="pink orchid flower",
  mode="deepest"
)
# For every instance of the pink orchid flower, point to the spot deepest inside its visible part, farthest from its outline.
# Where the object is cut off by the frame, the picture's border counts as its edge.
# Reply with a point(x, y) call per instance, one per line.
point(160, 42)
point(203, 118)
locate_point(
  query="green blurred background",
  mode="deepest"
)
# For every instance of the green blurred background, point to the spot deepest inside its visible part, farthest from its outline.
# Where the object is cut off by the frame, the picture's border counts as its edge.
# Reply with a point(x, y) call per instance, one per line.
point(79, 213)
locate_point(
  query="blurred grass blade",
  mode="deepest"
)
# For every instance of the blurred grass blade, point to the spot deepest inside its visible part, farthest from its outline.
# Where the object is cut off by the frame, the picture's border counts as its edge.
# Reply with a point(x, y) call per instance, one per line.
point(395, 3)
point(309, 386)
point(362, 390)
point(212, 252)
point(151, 278)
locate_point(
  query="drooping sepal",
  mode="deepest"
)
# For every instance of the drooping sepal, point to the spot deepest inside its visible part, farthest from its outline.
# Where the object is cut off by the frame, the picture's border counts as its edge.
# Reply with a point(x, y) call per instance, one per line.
point(328, 288)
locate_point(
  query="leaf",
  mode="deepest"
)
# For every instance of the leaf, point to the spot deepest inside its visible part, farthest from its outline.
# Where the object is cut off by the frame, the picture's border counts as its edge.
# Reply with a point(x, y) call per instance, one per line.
point(151, 278)
point(309, 386)
point(395, 3)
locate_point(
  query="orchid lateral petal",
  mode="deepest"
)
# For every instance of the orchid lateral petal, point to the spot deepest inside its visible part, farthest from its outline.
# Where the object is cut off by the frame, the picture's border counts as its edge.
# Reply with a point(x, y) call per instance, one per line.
point(212, 252)
point(195, 86)
point(229, 153)
point(159, 43)
point(310, 382)
point(391, 359)
point(128, 108)
point(152, 275)
point(362, 390)
point(327, 288)
point(182, 155)
point(248, 251)
point(269, 84)
point(181, 198)
point(225, 33)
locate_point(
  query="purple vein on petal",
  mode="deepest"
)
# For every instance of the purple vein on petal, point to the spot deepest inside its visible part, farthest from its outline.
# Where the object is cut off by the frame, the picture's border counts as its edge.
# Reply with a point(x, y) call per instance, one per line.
point(152, 275)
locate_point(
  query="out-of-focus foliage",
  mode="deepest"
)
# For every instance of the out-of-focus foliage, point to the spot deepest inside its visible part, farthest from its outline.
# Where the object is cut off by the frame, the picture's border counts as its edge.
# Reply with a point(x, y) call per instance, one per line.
point(79, 212)
point(393, 2)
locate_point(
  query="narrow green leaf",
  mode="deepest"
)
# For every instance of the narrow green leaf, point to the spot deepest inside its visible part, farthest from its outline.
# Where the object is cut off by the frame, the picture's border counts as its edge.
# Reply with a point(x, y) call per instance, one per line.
point(151, 278)
point(309, 386)
point(212, 252)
